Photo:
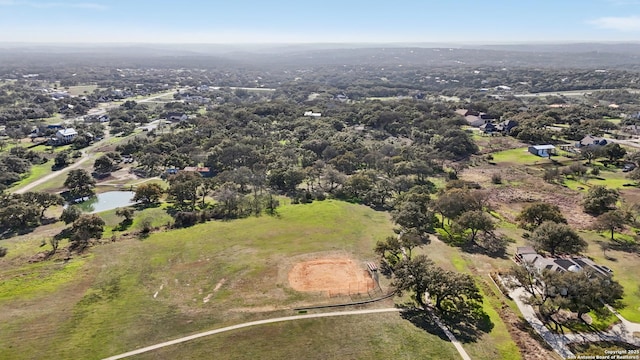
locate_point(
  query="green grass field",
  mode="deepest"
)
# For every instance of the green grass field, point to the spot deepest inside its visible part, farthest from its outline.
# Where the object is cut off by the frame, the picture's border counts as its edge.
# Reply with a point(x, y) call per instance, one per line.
point(498, 343)
point(82, 89)
point(625, 266)
point(156, 217)
point(521, 156)
point(57, 118)
point(380, 336)
point(610, 179)
point(616, 121)
point(37, 171)
point(104, 304)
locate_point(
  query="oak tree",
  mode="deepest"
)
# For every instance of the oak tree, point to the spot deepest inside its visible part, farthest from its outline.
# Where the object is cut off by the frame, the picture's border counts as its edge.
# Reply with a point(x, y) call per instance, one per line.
point(80, 184)
point(611, 221)
point(148, 193)
point(599, 199)
point(557, 238)
point(535, 214)
point(475, 221)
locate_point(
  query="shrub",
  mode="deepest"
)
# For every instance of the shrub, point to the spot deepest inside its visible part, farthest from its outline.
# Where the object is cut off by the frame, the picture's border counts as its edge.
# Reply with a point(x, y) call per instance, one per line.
point(595, 171)
point(185, 219)
point(462, 184)
point(146, 226)
point(496, 178)
point(305, 197)
point(551, 175)
point(3, 251)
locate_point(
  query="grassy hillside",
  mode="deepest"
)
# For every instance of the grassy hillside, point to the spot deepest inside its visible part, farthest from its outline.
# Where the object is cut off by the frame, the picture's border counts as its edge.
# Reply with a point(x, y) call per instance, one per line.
point(103, 304)
point(133, 293)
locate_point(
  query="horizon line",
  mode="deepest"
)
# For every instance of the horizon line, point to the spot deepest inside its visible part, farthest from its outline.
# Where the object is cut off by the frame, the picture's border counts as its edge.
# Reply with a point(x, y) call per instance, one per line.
point(460, 43)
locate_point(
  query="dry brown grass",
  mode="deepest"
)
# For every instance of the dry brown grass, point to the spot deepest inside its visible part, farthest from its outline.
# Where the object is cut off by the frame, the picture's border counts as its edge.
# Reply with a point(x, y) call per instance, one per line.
point(520, 188)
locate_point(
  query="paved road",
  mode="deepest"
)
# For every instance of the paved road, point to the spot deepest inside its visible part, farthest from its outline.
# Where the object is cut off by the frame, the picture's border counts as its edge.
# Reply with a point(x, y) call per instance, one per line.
point(248, 324)
point(571, 92)
point(634, 144)
point(149, 99)
point(85, 153)
point(243, 88)
point(53, 175)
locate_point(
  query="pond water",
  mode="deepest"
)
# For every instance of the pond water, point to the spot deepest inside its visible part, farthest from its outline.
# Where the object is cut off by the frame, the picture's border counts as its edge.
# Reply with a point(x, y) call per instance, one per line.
point(107, 201)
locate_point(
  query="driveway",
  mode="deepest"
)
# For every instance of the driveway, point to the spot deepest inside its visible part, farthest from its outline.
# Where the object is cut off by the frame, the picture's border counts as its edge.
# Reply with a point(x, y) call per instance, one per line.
point(622, 332)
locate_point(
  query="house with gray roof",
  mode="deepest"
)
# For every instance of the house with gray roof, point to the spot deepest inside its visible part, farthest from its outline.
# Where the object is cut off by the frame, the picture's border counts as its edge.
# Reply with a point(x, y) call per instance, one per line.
point(591, 141)
point(528, 255)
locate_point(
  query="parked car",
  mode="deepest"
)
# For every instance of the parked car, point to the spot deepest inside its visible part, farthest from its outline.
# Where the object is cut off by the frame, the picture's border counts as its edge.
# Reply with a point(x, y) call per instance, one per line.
point(628, 167)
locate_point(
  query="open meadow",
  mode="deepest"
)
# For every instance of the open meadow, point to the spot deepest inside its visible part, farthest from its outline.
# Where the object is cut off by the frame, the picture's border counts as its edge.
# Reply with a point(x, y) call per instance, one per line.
point(131, 293)
point(123, 295)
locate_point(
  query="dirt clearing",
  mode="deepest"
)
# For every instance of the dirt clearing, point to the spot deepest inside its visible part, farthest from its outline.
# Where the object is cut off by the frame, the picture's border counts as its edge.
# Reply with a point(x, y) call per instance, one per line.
point(335, 276)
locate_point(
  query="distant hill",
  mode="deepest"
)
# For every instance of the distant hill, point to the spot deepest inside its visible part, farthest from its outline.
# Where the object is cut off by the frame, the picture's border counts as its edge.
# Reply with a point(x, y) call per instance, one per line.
point(578, 55)
point(616, 48)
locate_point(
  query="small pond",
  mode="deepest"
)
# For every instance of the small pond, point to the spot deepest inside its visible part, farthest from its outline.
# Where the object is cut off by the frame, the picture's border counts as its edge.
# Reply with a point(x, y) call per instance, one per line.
point(107, 201)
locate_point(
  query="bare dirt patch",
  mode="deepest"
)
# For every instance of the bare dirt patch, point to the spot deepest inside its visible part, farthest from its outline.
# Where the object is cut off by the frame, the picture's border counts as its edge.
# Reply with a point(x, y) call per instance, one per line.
point(521, 188)
point(218, 286)
point(333, 275)
point(516, 198)
point(119, 176)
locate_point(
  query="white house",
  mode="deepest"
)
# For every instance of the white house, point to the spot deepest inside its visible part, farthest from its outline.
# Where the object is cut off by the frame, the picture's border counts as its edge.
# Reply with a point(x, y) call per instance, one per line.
point(65, 136)
point(312, 114)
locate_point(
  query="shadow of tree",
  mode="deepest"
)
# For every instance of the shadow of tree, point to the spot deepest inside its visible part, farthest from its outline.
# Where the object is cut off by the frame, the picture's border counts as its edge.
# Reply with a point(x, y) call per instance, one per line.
point(625, 246)
point(123, 225)
point(385, 269)
point(142, 206)
point(64, 234)
point(468, 323)
point(492, 252)
point(48, 220)
point(142, 235)
point(9, 233)
point(423, 320)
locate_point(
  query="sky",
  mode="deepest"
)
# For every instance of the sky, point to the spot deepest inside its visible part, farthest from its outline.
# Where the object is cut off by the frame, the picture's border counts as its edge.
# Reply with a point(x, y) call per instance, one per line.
point(320, 21)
